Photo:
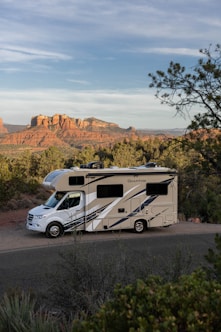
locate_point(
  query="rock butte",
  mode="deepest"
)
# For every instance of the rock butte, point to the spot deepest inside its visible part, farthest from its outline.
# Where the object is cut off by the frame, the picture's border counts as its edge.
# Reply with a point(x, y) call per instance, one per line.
point(61, 130)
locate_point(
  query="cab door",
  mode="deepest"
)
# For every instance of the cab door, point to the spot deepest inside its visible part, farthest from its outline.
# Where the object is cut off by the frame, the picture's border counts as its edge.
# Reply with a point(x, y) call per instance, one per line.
point(72, 211)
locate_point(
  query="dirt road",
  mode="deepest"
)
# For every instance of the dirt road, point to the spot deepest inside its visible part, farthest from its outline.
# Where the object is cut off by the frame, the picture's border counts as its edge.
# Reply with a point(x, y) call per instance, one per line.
point(14, 236)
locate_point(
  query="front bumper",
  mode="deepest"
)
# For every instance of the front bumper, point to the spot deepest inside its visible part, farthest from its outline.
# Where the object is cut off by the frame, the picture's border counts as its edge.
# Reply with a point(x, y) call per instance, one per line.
point(34, 226)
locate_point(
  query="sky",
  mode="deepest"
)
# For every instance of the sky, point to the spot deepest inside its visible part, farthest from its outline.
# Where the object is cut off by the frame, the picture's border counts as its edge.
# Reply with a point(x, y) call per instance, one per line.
point(91, 58)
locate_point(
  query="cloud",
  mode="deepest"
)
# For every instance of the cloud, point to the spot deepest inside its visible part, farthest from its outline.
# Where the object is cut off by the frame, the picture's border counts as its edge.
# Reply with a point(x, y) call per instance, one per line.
point(21, 54)
point(44, 22)
point(126, 108)
point(80, 82)
point(10, 69)
point(167, 51)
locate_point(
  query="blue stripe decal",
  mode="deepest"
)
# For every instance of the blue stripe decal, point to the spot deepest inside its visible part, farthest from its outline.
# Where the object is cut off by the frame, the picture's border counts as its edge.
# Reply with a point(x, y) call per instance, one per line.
point(85, 219)
point(133, 213)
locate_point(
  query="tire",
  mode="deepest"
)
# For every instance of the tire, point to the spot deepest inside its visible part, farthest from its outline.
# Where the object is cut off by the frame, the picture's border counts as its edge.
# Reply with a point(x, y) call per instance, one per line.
point(54, 229)
point(139, 226)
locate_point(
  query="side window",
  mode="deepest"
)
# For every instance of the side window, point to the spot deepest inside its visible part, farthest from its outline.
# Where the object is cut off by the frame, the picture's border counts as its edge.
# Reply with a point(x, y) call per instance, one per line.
point(76, 180)
point(70, 201)
point(74, 200)
point(110, 190)
point(157, 189)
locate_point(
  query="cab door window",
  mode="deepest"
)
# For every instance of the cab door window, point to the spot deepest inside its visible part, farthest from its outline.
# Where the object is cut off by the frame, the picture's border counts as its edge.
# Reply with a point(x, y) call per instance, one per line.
point(74, 200)
point(70, 201)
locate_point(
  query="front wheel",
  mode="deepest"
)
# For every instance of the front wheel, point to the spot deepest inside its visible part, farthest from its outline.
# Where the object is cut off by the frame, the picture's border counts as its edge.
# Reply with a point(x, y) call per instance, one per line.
point(139, 226)
point(54, 229)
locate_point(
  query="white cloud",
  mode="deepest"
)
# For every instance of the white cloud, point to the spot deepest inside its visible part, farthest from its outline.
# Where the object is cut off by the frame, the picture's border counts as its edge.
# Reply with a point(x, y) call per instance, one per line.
point(137, 108)
point(45, 22)
point(10, 69)
point(80, 82)
point(167, 51)
point(21, 54)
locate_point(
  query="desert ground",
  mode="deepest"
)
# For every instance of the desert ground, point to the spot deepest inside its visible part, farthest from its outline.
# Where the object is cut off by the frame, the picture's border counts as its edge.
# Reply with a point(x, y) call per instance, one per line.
point(13, 217)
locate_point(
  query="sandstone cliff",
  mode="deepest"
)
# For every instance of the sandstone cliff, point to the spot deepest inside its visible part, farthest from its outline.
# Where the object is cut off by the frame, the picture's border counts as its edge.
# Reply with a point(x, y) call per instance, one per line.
point(61, 130)
point(64, 122)
point(37, 137)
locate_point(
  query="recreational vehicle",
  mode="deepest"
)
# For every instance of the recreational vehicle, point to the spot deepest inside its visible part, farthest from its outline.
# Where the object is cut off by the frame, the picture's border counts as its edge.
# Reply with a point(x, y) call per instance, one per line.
point(92, 198)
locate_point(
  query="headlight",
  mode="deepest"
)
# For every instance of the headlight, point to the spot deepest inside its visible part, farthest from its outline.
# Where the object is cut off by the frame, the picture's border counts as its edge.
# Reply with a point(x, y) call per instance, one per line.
point(40, 216)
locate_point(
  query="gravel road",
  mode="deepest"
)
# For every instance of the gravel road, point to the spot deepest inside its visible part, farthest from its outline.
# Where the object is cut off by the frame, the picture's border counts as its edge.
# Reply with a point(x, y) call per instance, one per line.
point(16, 237)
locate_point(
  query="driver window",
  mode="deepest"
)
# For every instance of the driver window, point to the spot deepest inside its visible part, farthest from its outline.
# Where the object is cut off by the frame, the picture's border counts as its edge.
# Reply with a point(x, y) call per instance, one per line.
point(74, 201)
point(70, 201)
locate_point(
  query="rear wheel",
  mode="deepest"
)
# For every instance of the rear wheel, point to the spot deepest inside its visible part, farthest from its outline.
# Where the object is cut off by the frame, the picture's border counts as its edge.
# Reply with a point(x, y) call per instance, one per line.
point(139, 226)
point(54, 229)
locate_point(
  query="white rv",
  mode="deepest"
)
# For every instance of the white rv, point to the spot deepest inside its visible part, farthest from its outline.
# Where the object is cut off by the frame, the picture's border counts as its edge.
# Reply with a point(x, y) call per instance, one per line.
point(94, 199)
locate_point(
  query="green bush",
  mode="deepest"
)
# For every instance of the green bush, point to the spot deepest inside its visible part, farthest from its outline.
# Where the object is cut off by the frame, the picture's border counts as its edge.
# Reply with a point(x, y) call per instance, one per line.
point(213, 258)
point(192, 304)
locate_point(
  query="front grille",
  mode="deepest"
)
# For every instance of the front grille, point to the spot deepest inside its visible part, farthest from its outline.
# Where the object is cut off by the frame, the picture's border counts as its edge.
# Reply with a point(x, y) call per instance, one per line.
point(30, 217)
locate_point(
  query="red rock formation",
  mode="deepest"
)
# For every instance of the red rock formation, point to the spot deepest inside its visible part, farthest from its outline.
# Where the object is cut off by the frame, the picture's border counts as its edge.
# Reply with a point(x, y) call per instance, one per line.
point(61, 130)
point(58, 121)
point(39, 136)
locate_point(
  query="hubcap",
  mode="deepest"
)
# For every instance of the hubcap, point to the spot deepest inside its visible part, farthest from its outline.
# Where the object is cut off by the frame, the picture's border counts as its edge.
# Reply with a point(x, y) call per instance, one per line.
point(139, 226)
point(54, 231)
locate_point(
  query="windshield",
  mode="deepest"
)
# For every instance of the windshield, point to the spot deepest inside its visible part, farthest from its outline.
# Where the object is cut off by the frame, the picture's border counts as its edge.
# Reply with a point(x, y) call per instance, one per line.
point(54, 199)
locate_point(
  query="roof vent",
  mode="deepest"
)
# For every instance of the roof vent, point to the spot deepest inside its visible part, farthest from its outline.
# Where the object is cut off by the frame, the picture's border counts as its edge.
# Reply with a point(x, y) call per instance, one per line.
point(93, 164)
point(150, 164)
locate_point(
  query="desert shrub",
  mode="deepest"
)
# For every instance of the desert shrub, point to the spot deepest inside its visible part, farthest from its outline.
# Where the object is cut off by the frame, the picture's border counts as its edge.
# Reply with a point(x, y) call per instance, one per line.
point(42, 193)
point(16, 186)
point(213, 258)
point(191, 304)
point(87, 274)
point(5, 191)
point(19, 312)
point(15, 311)
point(86, 277)
point(178, 263)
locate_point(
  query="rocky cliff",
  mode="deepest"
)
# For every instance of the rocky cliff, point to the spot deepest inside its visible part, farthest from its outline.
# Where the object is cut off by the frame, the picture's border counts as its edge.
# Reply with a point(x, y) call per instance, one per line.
point(36, 137)
point(64, 122)
point(61, 130)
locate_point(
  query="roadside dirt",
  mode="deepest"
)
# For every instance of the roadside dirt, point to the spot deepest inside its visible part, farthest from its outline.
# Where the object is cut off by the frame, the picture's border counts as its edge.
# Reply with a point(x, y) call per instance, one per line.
point(13, 217)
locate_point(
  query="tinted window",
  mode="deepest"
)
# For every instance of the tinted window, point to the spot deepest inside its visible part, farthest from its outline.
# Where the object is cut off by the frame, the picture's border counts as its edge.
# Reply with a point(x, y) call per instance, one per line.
point(157, 189)
point(110, 190)
point(50, 177)
point(55, 198)
point(76, 180)
point(70, 201)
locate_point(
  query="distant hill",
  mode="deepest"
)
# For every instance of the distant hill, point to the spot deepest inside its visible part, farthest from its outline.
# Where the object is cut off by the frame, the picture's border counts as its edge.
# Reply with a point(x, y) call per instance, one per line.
point(61, 130)
point(145, 131)
point(167, 132)
point(13, 128)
